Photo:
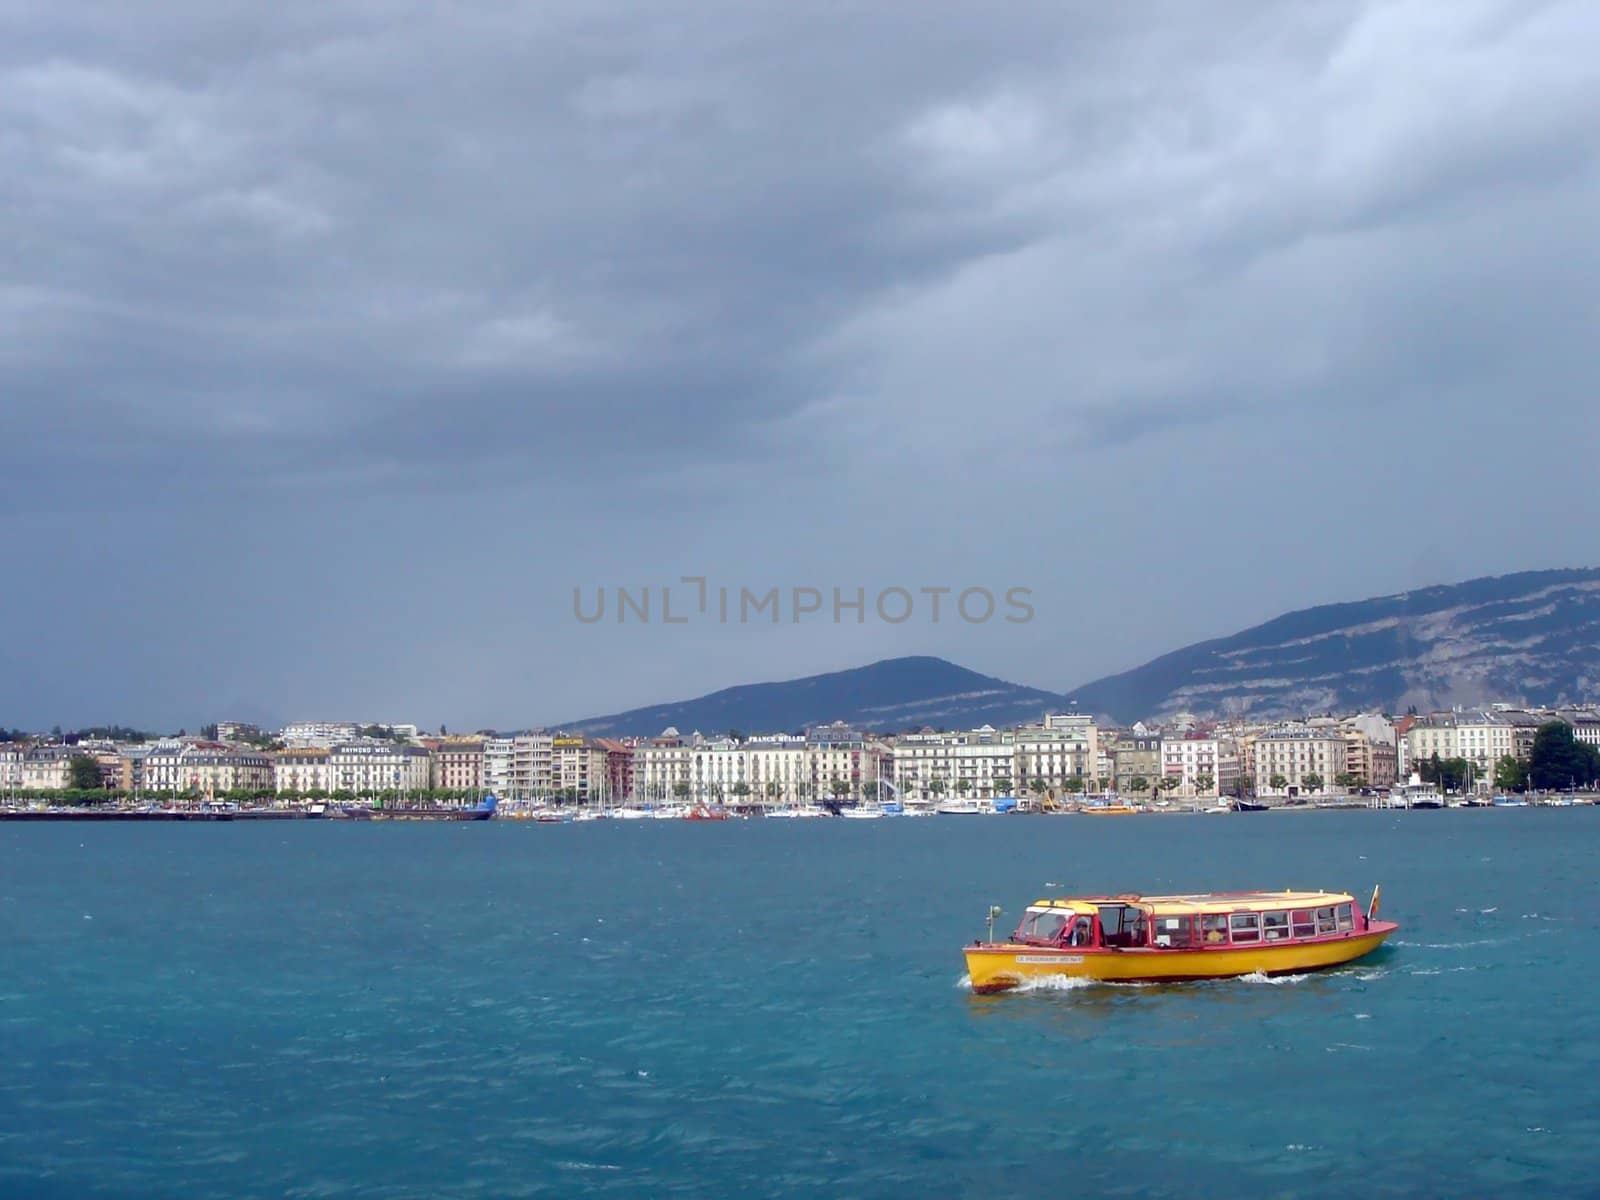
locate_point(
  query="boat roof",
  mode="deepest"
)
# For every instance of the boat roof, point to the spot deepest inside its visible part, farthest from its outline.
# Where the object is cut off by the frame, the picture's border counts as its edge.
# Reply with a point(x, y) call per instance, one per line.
point(1198, 902)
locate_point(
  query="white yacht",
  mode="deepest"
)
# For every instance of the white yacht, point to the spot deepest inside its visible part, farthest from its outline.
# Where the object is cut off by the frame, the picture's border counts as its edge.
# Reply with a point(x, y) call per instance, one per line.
point(964, 807)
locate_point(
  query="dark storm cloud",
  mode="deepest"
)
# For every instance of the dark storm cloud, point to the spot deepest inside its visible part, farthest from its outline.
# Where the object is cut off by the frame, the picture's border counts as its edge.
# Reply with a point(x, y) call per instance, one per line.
point(744, 285)
point(346, 231)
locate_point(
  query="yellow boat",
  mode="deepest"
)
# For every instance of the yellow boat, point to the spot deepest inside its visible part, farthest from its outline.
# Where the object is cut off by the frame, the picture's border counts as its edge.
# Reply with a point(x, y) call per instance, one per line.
point(1108, 810)
point(1212, 935)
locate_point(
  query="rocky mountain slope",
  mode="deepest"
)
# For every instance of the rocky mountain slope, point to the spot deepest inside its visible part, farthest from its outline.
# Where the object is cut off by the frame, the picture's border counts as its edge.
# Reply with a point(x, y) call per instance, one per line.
point(1532, 637)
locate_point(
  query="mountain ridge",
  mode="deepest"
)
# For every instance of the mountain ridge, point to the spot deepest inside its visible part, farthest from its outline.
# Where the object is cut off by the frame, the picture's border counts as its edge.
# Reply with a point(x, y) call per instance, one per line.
point(906, 692)
point(1529, 636)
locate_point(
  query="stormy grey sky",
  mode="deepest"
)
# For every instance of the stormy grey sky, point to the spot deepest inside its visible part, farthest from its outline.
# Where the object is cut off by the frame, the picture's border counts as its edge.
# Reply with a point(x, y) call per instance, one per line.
point(340, 340)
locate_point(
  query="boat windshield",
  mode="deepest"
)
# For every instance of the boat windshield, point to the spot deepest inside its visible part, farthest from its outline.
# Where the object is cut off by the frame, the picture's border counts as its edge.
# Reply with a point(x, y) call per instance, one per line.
point(1043, 925)
point(1056, 926)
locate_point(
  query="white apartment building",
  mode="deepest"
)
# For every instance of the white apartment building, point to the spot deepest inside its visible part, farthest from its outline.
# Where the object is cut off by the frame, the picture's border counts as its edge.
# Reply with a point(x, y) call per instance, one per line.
point(1065, 747)
point(318, 733)
point(975, 763)
point(11, 759)
point(305, 769)
point(498, 757)
point(1585, 726)
point(719, 771)
point(663, 767)
point(845, 763)
point(532, 768)
point(367, 768)
point(778, 769)
point(207, 768)
point(47, 768)
point(1192, 759)
point(1482, 738)
point(1291, 753)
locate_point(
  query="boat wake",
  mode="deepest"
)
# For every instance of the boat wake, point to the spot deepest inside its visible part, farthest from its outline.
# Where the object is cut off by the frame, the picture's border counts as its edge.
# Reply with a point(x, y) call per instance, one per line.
point(1274, 980)
point(1058, 983)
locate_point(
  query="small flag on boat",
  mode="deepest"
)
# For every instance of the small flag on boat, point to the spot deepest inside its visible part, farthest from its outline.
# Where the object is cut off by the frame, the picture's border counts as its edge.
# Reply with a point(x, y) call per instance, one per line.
point(1372, 909)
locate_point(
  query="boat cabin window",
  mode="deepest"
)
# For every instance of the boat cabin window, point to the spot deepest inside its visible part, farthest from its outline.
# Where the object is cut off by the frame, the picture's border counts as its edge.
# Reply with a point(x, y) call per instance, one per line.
point(1214, 928)
point(1174, 932)
point(1325, 921)
point(1081, 932)
point(1043, 926)
point(1347, 918)
point(1305, 924)
point(1122, 925)
point(1246, 927)
point(1275, 926)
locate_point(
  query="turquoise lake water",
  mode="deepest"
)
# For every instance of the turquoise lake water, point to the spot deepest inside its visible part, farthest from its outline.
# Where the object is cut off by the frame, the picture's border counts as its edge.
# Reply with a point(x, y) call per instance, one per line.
point(775, 1009)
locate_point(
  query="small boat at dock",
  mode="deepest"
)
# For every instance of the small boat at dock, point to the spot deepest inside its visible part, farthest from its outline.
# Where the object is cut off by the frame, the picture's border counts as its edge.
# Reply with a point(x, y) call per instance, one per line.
point(1211, 935)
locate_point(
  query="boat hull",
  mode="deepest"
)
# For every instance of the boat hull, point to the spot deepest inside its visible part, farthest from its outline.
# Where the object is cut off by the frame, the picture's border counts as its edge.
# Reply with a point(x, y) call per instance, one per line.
point(998, 967)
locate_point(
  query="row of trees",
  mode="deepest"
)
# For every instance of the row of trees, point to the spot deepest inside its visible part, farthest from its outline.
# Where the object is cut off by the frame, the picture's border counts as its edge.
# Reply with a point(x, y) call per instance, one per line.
point(1559, 760)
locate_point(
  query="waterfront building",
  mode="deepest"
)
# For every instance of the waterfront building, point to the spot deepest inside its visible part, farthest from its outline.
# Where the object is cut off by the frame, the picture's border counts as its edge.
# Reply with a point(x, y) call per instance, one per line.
point(110, 765)
point(498, 760)
point(1136, 754)
point(532, 766)
point(1065, 747)
point(977, 763)
point(1524, 728)
point(130, 767)
point(778, 768)
point(369, 768)
point(11, 758)
point(663, 767)
point(47, 768)
point(1585, 725)
point(318, 733)
point(1294, 753)
point(1481, 738)
point(456, 764)
point(1402, 747)
point(1370, 764)
point(845, 762)
point(617, 783)
point(1190, 758)
point(207, 768)
point(577, 769)
point(720, 771)
point(1229, 767)
point(305, 770)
